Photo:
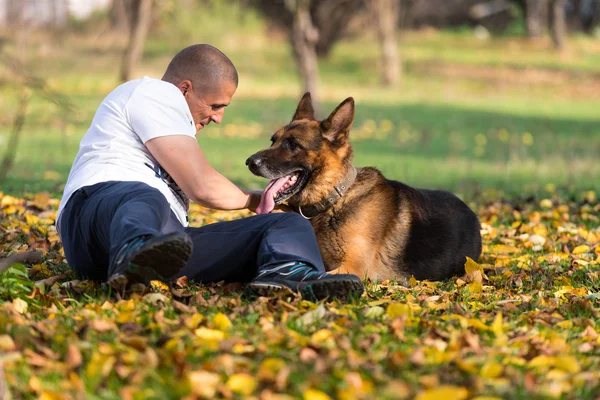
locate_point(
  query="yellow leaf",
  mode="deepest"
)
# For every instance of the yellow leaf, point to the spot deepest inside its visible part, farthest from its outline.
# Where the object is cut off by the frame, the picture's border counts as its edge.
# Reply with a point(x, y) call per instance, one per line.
point(546, 203)
point(31, 219)
point(399, 309)
point(320, 336)
point(581, 249)
point(204, 383)
point(478, 324)
point(568, 364)
point(491, 369)
point(497, 325)
point(412, 281)
point(503, 249)
point(314, 394)
point(240, 348)
point(209, 334)
point(242, 383)
point(445, 392)
point(20, 305)
point(158, 285)
point(475, 287)
point(269, 369)
point(9, 210)
point(6, 343)
point(567, 324)
point(471, 266)
point(221, 322)
point(379, 302)
point(542, 362)
point(51, 395)
point(193, 321)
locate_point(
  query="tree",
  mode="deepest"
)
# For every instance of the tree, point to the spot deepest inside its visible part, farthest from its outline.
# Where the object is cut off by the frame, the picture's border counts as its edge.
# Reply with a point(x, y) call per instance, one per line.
point(138, 29)
point(313, 27)
point(536, 17)
point(558, 28)
point(29, 83)
point(304, 36)
point(386, 13)
point(120, 15)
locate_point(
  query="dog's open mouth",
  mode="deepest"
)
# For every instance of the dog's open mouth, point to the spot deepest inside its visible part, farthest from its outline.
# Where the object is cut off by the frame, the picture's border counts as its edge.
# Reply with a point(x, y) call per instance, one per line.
point(280, 189)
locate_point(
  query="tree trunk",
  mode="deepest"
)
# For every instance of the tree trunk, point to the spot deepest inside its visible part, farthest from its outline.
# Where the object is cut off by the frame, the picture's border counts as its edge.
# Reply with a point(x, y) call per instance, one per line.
point(119, 17)
point(140, 23)
point(304, 37)
point(536, 17)
point(13, 142)
point(573, 19)
point(596, 18)
point(559, 24)
point(386, 14)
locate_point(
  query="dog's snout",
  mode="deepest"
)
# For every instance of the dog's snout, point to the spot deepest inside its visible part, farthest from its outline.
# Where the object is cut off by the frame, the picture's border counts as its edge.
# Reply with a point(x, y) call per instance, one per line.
point(253, 161)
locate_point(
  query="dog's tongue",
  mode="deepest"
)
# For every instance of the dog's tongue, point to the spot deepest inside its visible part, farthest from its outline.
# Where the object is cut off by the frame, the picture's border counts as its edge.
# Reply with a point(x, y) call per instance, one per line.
point(267, 202)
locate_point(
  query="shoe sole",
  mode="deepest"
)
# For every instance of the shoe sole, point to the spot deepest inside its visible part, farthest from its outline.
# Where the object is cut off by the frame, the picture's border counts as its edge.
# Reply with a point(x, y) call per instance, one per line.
point(317, 290)
point(158, 260)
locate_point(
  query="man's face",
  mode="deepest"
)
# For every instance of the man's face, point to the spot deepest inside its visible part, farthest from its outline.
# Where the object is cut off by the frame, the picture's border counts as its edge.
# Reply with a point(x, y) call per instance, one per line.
point(207, 107)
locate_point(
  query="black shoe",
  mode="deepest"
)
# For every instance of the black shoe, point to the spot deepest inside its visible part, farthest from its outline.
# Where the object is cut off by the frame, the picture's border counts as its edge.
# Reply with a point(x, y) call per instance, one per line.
point(303, 278)
point(148, 258)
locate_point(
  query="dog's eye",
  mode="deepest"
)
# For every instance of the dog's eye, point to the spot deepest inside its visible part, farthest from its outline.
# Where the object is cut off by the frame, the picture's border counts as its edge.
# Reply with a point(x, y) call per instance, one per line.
point(292, 144)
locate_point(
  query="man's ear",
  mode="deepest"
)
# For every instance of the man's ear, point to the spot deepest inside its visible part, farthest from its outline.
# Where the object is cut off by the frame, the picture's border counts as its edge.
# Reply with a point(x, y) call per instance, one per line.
point(337, 126)
point(185, 86)
point(305, 109)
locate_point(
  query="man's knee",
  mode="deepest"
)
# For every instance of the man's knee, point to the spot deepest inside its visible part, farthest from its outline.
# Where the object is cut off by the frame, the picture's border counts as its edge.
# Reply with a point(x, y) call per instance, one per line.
point(291, 219)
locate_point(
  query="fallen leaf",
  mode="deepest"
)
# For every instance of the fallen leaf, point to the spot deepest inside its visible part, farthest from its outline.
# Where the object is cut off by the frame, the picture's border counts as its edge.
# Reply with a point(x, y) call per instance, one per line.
point(314, 394)
point(204, 383)
point(445, 392)
point(242, 383)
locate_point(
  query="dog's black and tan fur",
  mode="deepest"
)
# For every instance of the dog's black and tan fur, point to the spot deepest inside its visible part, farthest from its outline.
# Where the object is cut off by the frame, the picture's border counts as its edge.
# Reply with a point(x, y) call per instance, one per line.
point(379, 228)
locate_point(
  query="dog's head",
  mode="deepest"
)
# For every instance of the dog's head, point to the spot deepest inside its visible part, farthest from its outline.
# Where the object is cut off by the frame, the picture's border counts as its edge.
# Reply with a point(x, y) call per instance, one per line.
point(307, 157)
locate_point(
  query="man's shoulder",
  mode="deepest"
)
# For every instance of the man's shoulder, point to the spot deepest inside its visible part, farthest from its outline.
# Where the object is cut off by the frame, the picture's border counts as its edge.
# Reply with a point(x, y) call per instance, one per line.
point(153, 85)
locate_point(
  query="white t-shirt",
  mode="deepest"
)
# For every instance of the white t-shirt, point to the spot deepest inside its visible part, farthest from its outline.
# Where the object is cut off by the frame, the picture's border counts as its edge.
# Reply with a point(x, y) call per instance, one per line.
point(113, 148)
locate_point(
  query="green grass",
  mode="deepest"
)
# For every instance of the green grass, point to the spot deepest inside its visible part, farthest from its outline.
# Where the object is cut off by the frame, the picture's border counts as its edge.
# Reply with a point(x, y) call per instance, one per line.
point(444, 127)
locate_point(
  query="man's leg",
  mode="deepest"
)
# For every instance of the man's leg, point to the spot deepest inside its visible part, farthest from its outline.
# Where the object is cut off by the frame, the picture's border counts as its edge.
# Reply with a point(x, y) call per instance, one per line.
point(272, 251)
point(233, 251)
point(128, 231)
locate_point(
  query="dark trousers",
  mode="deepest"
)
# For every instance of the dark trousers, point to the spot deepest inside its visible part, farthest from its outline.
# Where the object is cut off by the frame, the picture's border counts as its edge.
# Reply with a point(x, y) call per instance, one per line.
point(99, 219)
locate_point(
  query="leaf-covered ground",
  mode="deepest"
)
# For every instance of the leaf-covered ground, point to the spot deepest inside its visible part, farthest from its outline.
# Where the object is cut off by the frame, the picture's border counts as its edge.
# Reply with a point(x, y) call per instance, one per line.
point(523, 323)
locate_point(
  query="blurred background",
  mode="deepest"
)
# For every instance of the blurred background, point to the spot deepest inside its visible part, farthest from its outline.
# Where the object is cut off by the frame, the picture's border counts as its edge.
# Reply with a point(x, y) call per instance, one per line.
point(474, 96)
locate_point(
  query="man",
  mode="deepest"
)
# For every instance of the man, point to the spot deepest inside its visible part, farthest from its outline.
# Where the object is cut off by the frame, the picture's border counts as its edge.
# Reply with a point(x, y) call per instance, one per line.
point(123, 215)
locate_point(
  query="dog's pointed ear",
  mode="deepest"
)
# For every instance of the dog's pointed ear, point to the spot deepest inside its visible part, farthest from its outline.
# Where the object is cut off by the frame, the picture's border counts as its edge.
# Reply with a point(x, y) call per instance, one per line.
point(305, 109)
point(337, 126)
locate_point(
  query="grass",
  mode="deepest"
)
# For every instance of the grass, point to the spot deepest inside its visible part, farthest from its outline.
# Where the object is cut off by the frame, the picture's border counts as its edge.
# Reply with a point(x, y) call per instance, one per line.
point(471, 114)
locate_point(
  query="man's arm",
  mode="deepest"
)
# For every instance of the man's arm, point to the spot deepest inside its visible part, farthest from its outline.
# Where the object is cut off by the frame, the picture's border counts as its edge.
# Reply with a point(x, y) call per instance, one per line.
point(183, 159)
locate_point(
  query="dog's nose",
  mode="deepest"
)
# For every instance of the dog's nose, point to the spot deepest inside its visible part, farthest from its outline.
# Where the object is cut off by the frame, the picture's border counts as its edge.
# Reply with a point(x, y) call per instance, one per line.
point(253, 162)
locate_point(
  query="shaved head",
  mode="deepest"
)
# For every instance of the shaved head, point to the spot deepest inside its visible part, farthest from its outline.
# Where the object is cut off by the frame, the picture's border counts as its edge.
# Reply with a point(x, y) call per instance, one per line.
point(204, 65)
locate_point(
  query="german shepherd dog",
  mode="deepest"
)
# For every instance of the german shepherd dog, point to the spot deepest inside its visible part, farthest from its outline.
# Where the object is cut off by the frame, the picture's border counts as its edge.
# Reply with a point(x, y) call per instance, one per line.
point(365, 224)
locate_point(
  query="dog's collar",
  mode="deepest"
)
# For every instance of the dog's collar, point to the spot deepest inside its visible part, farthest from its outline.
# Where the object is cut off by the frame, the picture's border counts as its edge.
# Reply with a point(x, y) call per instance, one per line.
point(338, 191)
